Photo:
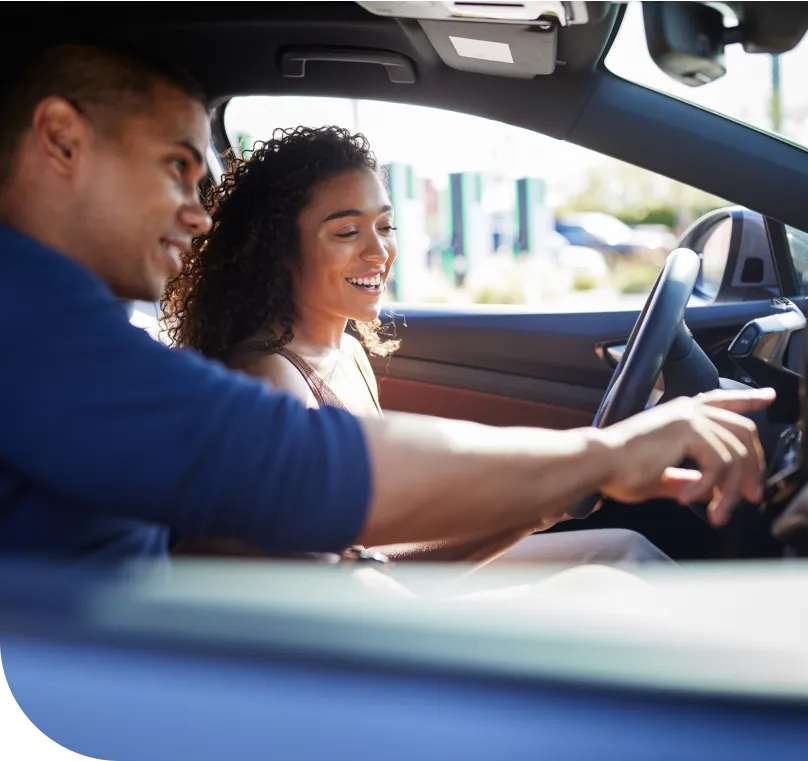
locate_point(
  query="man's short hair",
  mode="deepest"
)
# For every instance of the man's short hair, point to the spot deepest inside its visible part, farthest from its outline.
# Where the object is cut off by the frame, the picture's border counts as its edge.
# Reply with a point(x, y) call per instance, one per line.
point(115, 79)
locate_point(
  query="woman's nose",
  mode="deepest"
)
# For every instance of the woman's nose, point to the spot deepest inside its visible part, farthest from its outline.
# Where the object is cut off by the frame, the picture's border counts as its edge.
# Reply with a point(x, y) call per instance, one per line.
point(376, 251)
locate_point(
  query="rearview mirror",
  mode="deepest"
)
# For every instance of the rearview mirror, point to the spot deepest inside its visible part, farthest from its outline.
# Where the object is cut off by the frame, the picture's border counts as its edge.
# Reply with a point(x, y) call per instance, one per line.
point(686, 40)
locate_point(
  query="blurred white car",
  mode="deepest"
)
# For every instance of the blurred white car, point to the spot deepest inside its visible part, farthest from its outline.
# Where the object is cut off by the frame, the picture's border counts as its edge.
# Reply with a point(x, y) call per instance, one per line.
point(582, 259)
point(654, 237)
point(596, 229)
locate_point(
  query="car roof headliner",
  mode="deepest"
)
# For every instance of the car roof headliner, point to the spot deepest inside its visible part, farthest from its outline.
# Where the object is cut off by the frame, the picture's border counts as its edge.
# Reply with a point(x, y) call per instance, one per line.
point(233, 49)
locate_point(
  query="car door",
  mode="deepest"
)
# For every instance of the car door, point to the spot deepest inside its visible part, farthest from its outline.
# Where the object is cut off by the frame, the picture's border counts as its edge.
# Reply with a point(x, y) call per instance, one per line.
point(502, 320)
point(508, 369)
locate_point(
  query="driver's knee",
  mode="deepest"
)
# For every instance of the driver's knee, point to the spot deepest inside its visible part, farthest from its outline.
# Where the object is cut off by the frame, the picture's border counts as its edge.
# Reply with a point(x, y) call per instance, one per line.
point(583, 588)
point(630, 547)
point(605, 546)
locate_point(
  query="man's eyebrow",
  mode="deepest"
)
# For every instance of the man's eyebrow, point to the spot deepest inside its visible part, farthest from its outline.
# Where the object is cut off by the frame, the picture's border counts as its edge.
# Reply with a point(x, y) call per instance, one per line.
point(354, 213)
point(189, 146)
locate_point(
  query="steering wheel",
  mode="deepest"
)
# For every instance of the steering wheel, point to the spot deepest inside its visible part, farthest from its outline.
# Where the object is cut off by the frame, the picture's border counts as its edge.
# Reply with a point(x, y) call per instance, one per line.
point(660, 330)
point(660, 333)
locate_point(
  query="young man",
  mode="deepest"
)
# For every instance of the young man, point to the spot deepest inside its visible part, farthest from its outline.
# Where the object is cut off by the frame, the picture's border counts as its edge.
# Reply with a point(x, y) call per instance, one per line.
point(108, 440)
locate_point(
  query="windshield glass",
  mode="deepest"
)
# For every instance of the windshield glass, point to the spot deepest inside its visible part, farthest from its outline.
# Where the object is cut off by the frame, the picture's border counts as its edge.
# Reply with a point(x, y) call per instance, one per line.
point(766, 92)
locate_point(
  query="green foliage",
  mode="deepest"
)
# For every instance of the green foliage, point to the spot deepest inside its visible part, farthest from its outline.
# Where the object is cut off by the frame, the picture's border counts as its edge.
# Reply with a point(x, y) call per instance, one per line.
point(658, 215)
point(584, 281)
point(634, 278)
point(639, 197)
point(495, 295)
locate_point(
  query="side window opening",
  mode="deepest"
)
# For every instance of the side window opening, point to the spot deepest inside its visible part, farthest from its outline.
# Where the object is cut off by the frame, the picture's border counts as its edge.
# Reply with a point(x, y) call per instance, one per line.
point(488, 213)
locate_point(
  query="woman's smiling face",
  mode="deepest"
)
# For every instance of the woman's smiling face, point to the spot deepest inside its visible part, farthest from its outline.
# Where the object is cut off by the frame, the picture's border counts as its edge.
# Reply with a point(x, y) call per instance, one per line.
point(347, 247)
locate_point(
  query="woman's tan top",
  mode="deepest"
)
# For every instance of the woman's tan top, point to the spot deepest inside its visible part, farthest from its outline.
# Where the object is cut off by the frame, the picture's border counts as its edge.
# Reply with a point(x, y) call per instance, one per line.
point(321, 391)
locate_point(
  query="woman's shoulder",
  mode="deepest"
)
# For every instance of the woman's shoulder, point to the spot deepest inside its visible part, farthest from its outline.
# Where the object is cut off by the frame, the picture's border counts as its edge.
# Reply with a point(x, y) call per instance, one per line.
point(276, 370)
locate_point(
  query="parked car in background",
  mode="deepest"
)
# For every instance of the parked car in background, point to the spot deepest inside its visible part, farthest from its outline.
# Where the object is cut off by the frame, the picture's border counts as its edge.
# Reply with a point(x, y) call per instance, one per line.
point(598, 230)
point(654, 238)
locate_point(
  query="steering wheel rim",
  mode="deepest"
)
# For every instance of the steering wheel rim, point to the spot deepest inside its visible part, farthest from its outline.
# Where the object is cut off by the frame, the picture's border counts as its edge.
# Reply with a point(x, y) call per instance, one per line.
point(654, 335)
point(651, 339)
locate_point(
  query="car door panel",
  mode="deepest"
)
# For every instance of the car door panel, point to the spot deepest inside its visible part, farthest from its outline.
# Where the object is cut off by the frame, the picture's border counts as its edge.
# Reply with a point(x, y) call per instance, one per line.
point(509, 368)
point(512, 368)
point(458, 403)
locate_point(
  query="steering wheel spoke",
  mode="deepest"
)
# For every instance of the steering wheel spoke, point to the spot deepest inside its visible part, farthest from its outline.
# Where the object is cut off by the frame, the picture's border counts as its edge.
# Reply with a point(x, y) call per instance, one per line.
point(659, 333)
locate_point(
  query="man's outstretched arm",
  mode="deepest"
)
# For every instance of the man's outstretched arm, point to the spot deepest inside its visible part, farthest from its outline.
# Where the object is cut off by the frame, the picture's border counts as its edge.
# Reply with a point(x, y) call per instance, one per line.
point(436, 478)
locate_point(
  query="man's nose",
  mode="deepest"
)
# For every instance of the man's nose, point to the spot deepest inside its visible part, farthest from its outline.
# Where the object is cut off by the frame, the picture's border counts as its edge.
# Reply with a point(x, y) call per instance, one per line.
point(195, 219)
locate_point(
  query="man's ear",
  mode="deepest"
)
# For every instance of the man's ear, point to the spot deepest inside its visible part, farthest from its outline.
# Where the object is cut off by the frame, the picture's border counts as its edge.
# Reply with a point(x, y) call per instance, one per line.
point(60, 132)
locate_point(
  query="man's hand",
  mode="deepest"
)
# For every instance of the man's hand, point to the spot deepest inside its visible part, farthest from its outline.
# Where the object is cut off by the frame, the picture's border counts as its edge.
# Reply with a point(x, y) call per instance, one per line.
point(708, 430)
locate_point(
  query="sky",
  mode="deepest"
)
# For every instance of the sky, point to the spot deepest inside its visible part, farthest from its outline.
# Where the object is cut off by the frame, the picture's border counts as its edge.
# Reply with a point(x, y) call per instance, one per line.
point(460, 142)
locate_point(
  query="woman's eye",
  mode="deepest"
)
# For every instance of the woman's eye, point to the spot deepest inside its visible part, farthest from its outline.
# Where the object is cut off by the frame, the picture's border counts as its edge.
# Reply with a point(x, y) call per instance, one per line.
point(389, 229)
point(350, 234)
point(180, 165)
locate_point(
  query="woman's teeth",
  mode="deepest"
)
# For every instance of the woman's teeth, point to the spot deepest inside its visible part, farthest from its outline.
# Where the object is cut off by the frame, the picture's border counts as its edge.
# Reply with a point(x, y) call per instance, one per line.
point(366, 282)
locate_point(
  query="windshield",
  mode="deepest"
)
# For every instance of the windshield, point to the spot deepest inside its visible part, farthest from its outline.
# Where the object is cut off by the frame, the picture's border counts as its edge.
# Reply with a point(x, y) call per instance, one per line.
point(763, 91)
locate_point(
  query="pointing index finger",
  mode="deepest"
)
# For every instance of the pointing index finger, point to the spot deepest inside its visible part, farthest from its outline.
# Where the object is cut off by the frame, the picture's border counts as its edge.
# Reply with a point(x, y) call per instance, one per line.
point(739, 401)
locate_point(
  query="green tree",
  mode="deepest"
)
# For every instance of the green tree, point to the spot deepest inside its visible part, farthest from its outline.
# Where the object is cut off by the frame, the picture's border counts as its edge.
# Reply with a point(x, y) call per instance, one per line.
point(638, 196)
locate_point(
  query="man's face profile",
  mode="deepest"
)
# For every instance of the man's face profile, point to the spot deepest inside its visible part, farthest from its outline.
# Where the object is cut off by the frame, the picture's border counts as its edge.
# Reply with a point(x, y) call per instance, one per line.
point(137, 190)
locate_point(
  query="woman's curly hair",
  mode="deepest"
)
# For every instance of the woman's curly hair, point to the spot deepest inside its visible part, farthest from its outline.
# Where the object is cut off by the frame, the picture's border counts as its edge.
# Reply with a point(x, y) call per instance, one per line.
point(237, 278)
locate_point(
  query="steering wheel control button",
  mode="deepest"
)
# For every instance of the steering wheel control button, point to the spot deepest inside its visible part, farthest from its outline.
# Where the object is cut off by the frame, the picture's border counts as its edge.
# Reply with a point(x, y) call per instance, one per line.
point(743, 345)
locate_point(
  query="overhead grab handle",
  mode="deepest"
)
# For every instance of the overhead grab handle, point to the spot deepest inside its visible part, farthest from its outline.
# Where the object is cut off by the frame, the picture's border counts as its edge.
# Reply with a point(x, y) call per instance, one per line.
point(398, 68)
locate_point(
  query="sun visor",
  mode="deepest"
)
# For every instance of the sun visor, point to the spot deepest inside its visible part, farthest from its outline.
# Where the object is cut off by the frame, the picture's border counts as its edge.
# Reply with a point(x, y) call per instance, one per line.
point(498, 49)
point(505, 11)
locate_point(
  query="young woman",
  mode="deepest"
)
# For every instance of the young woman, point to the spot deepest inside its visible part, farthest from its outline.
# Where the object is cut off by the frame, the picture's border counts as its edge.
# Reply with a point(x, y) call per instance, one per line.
point(302, 244)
